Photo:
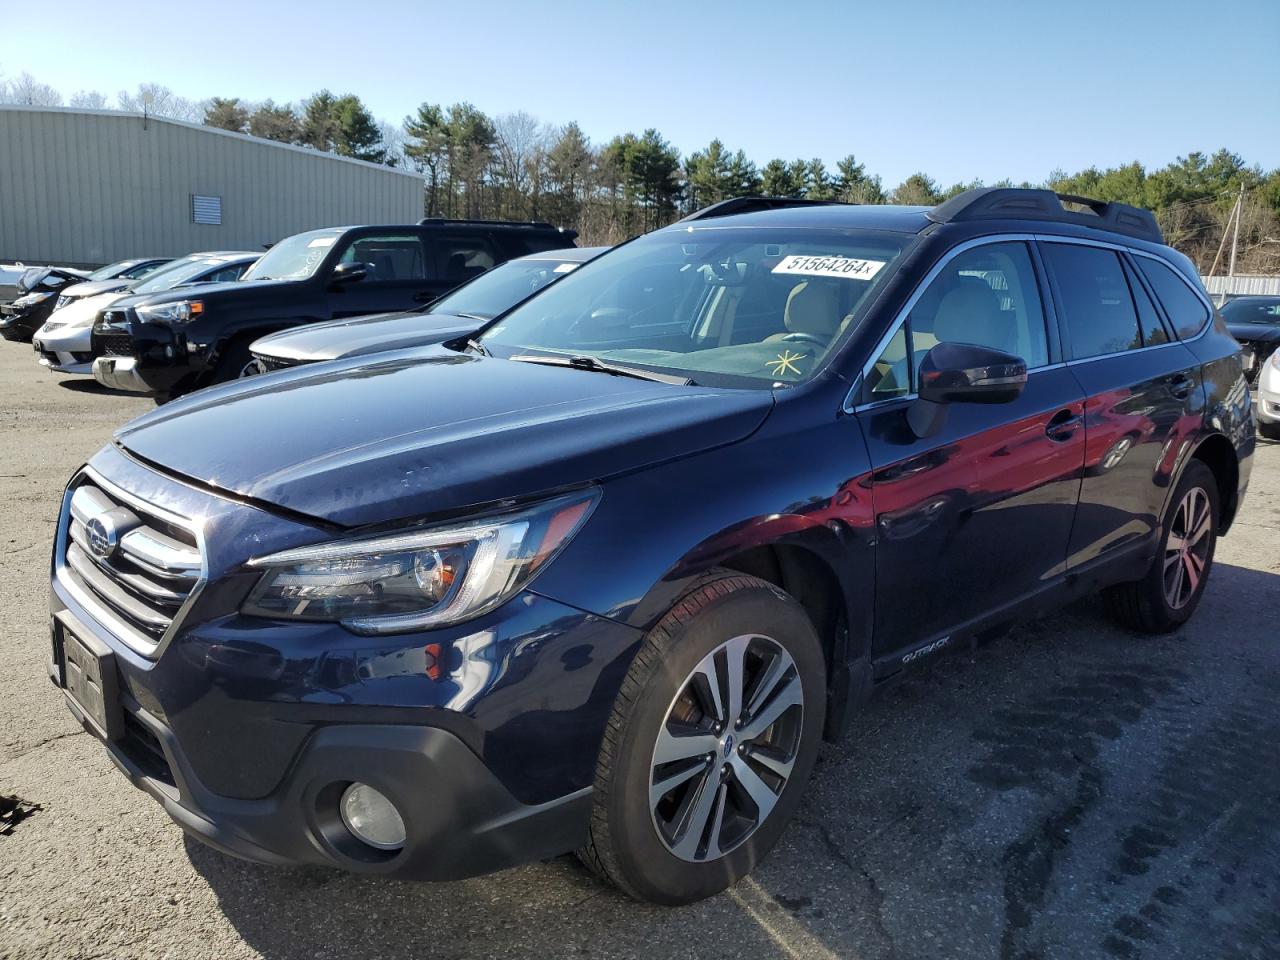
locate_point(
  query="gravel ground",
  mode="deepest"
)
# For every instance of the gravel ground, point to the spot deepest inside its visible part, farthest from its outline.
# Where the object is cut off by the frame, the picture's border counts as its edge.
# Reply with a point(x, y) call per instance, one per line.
point(1068, 790)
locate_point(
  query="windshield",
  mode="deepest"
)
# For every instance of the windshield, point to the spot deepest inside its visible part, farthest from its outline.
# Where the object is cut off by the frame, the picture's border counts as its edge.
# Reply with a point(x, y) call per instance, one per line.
point(294, 258)
point(180, 271)
point(737, 307)
point(502, 287)
point(1252, 311)
point(110, 271)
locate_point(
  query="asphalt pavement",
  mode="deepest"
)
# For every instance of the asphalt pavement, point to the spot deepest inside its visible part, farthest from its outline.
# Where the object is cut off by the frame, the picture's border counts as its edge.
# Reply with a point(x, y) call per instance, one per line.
point(1068, 790)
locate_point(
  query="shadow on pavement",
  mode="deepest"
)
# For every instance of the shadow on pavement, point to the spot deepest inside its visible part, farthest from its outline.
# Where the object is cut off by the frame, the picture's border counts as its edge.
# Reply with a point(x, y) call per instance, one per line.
point(1068, 789)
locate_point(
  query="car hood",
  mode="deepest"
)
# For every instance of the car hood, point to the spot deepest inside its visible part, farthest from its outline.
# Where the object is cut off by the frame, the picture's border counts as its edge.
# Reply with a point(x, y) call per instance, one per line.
point(1255, 332)
point(363, 335)
point(94, 287)
point(226, 291)
point(421, 432)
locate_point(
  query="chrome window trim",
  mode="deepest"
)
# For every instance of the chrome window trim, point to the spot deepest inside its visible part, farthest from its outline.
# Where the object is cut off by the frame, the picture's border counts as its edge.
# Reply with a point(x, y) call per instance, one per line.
point(850, 406)
point(99, 614)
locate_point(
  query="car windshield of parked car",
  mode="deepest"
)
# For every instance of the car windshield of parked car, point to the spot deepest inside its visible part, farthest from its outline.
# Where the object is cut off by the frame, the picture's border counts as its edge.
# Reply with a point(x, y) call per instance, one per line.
point(502, 287)
point(721, 306)
point(294, 258)
point(180, 271)
point(110, 271)
point(1252, 311)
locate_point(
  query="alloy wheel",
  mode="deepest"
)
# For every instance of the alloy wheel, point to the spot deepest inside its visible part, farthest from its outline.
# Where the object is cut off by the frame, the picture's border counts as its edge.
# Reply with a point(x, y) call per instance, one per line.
point(726, 748)
point(1186, 552)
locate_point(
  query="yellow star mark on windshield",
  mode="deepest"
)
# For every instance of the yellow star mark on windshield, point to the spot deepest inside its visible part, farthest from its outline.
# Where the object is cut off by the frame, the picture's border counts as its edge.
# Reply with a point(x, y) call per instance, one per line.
point(786, 363)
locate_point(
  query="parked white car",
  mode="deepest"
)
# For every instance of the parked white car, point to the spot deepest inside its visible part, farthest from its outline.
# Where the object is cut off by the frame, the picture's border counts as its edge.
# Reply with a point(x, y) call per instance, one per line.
point(65, 343)
point(1269, 397)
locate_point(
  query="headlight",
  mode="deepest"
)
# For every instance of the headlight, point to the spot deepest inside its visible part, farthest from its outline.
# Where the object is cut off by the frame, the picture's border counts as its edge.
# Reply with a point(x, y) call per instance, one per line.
point(179, 311)
point(1275, 360)
point(62, 302)
point(420, 579)
point(31, 299)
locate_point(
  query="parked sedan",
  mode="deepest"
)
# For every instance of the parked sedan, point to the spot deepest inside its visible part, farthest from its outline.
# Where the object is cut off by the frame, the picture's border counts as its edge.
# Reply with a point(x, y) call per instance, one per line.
point(114, 276)
point(455, 314)
point(65, 343)
point(1255, 322)
point(39, 288)
point(1269, 396)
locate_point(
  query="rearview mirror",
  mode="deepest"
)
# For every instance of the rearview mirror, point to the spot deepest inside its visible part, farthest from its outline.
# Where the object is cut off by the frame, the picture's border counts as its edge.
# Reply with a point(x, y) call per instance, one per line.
point(345, 273)
point(967, 373)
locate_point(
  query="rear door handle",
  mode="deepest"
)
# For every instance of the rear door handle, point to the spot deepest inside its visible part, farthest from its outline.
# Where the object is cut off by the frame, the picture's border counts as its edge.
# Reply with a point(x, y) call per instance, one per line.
point(1180, 386)
point(1063, 425)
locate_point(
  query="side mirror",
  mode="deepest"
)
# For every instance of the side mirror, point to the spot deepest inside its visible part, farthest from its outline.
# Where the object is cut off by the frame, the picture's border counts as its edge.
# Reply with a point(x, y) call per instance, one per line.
point(967, 373)
point(345, 273)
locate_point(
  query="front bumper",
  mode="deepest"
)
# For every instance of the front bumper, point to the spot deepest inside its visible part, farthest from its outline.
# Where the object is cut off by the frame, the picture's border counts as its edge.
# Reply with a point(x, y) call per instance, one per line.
point(65, 349)
point(485, 735)
point(21, 325)
point(460, 821)
point(156, 358)
point(118, 373)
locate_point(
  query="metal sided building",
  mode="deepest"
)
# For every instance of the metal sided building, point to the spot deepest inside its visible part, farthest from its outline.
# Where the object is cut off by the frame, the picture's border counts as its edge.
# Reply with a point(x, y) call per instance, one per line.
point(87, 187)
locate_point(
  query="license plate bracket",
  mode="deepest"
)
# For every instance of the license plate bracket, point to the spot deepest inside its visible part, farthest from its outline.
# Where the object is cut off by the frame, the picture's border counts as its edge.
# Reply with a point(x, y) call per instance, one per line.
point(86, 668)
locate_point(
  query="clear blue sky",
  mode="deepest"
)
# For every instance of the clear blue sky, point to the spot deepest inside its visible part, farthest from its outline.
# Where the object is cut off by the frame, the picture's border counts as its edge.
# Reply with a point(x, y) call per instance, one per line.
point(957, 89)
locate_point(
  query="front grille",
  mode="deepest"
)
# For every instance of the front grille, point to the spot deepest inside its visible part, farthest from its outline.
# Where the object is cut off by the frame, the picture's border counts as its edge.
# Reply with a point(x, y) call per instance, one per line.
point(114, 345)
point(133, 568)
point(269, 363)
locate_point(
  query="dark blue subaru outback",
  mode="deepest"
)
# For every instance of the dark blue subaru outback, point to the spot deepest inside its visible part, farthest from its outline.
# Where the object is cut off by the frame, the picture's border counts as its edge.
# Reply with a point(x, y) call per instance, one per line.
point(602, 577)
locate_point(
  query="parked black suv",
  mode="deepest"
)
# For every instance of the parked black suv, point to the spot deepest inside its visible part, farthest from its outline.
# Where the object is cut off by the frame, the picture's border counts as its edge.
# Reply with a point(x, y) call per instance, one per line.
point(603, 578)
point(181, 342)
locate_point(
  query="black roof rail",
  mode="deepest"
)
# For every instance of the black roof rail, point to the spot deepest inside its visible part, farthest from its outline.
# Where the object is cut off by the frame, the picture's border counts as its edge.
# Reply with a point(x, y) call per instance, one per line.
point(1013, 203)
point(750, 205)
point(539, 224)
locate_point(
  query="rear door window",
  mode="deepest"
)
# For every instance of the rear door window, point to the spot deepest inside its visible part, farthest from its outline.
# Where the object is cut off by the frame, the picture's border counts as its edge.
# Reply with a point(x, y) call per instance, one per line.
point(1185, 310)
point(460, 259)
point(1153, 329)
point(1094, 304)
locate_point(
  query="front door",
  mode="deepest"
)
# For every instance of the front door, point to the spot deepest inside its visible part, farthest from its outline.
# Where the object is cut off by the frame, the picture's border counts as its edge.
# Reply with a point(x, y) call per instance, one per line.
point(401, 275)
point(977, 516)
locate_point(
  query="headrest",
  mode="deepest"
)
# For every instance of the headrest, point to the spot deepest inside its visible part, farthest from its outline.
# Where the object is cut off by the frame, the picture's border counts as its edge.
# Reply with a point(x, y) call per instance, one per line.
point(812, 308)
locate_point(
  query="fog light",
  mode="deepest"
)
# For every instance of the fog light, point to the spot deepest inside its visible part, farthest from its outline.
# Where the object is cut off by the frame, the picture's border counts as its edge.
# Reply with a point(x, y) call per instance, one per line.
point(372, 817)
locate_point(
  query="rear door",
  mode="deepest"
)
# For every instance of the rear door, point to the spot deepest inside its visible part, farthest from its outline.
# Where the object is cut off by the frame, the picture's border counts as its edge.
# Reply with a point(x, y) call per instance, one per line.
point(1143, 389)
point(401, 275)
point(460, 257)
point(976, 518)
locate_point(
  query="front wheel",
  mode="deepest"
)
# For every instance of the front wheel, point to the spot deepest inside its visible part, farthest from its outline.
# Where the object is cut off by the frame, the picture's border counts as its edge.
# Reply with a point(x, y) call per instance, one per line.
point(1166, 597)
point(712, 739)
point(1269, 430)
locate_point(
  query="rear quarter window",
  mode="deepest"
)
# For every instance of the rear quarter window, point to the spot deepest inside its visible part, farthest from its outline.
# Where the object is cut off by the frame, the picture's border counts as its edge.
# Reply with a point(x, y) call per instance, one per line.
point(1185, 310)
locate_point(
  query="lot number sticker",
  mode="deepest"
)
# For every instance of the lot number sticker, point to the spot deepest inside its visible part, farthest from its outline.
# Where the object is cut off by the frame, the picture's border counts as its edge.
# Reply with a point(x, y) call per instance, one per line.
point(846, 267)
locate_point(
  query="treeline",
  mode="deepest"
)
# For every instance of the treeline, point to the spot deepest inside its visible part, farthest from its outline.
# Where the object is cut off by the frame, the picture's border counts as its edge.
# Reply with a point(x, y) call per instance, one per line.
point(513, 166)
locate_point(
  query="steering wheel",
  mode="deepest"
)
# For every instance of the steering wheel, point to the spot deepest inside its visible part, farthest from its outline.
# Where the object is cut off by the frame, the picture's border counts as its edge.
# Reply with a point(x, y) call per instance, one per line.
point(807, 337)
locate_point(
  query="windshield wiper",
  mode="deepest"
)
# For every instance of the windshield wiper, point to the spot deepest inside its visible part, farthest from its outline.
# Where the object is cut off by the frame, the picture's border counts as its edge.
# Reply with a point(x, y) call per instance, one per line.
point(613, 369)
point(473, 344)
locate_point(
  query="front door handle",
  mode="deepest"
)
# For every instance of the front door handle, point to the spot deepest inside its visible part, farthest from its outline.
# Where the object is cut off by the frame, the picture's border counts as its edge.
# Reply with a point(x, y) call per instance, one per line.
point(1180, 386)
point(1062, 426)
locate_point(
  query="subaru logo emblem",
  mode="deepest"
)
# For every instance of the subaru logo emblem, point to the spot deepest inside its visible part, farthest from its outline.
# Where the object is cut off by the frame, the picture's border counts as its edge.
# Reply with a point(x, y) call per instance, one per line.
point(102, 537)
point(728, 746)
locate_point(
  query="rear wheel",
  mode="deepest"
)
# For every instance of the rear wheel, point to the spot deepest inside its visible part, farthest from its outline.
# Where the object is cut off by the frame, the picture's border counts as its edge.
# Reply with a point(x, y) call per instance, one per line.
point(712, 739)
point(1168, 595)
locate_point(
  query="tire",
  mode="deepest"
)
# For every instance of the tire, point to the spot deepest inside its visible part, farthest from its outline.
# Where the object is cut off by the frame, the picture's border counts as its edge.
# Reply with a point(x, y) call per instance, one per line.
point(235, 363)
point(1269, 430)
point(1158, 603)
point(636, 842)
